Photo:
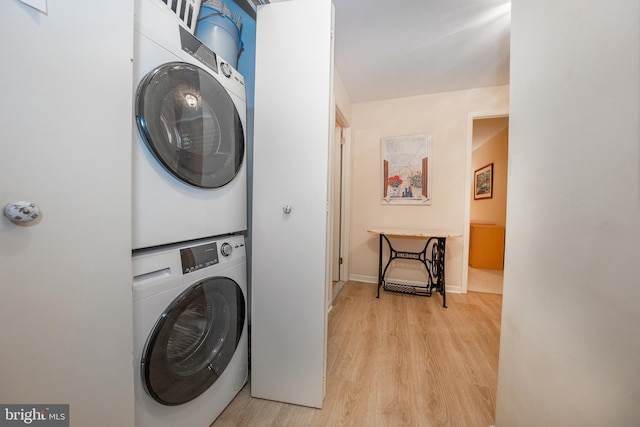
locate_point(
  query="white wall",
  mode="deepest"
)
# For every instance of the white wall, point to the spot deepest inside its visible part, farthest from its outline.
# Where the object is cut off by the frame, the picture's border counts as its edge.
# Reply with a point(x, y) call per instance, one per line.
point(65, 281)
point(444, 116)
point(570, 348)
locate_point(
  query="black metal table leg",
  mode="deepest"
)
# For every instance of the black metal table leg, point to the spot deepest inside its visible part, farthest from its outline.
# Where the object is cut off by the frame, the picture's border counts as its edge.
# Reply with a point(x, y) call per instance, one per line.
point(379, 266)
point(443, 290)
point(434, 265)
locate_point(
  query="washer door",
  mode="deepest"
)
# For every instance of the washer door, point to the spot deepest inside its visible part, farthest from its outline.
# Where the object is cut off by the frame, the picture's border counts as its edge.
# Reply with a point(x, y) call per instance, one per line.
point(193, 341)
point(190, 124)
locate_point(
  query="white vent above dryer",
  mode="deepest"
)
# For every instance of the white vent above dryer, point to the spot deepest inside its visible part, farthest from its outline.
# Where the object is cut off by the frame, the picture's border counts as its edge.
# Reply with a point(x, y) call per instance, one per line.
point(185, 10)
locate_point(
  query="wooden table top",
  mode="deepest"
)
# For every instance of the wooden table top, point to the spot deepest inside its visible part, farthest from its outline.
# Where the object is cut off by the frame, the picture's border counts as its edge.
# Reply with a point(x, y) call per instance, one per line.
point(407, 232)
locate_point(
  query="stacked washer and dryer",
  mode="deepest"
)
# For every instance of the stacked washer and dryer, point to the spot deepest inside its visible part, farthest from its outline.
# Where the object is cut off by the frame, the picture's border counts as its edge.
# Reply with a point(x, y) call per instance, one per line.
point(189, 205)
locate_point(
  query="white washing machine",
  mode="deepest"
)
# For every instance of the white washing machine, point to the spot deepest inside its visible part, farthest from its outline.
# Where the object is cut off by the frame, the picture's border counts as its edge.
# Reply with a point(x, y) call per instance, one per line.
point(190, 331)
point(189, 168)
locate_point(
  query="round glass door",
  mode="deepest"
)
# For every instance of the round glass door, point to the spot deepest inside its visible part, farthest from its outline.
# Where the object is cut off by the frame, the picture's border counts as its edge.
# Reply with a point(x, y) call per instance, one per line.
point(193, 341)
point(190, 124)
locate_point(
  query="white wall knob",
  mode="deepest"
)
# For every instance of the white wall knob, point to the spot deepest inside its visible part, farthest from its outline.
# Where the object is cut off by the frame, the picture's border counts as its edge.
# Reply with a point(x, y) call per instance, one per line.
point(286, 209)
point(21, 211)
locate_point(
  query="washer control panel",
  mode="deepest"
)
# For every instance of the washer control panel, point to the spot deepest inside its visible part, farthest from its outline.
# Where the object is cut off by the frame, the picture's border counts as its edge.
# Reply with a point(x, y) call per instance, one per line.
point(197, 257)
point(211, 252)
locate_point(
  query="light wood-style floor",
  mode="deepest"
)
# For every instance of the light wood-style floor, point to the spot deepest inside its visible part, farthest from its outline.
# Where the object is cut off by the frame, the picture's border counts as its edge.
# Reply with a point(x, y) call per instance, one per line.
point(487, 281)
point(400, 360)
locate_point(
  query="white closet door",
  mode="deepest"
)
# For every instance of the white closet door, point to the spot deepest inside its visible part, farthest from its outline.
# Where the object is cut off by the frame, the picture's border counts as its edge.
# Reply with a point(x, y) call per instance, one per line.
point(293, 134)
point(66, 333)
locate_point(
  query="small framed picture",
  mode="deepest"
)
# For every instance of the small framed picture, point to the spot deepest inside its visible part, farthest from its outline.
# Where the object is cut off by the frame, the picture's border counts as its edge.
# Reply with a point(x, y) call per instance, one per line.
point(483, 182)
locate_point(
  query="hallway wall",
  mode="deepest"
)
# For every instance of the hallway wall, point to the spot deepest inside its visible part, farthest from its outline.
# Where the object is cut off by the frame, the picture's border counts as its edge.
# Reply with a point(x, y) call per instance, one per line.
point(569, 347)
point(444, 116)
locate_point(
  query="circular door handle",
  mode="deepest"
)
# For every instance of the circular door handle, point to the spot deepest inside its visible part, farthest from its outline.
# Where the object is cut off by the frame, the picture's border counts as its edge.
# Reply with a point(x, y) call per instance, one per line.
point(21, 211)
point(287, 209)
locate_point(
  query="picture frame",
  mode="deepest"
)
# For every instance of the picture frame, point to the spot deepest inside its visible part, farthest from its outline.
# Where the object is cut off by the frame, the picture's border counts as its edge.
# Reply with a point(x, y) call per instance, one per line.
point(406, 170)
point(483, 182)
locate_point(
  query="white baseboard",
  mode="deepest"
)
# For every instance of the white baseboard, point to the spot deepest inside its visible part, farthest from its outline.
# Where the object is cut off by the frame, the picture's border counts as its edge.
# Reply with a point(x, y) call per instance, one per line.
point(454, 289)
point(365, 279)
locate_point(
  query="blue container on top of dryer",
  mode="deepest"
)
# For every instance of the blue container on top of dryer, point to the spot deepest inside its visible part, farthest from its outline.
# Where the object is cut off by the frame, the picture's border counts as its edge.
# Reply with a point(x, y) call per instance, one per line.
point(219, 29)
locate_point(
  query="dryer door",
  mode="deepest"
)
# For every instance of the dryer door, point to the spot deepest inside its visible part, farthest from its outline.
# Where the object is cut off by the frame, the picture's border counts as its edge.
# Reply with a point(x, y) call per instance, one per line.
point(193, 341)
point(190, 124)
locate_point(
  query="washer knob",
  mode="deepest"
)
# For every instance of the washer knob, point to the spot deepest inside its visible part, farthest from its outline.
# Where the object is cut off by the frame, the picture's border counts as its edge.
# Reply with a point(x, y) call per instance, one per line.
point(226, 249)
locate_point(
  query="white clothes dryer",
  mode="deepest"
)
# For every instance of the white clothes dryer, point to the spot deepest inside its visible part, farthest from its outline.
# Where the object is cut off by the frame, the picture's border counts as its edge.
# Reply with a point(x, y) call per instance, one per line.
point(190, 331)
point(189, 168)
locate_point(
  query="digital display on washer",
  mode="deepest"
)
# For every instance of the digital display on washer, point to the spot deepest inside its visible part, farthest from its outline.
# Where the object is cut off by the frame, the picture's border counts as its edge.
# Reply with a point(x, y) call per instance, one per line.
point(197, 257)
point(195, 48)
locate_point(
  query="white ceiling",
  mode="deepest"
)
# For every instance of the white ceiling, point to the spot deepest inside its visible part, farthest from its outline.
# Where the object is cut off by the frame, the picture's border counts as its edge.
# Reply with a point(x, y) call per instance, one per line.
point(396, 48)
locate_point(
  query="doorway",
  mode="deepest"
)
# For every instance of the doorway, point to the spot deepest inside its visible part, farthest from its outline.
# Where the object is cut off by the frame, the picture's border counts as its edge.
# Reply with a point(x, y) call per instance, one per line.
point(339, 181)
point(485, 211)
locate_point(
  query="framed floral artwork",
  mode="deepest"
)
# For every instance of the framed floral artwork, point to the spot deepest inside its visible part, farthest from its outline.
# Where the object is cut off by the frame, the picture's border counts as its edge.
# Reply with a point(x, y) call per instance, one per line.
point(483, 182)
point(406, 168)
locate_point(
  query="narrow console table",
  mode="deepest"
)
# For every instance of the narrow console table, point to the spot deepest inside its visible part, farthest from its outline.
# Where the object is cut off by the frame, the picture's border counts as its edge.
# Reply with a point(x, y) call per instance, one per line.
point(431, 257)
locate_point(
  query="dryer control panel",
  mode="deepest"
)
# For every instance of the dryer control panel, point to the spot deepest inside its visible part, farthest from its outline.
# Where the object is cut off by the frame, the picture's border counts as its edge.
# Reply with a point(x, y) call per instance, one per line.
point(198, 50)
point(232, 80)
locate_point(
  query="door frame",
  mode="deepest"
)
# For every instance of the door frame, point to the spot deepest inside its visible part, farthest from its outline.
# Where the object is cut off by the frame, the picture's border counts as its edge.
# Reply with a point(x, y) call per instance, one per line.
point(343, 271)
point(467, 188)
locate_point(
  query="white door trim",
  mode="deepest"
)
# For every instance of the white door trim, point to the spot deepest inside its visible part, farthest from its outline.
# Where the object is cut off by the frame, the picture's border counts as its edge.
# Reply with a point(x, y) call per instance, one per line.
point(467, 188)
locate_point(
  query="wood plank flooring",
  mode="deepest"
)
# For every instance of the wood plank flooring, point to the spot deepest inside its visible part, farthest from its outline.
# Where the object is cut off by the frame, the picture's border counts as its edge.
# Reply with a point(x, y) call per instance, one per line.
point(487, 281)
point(401, 360)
